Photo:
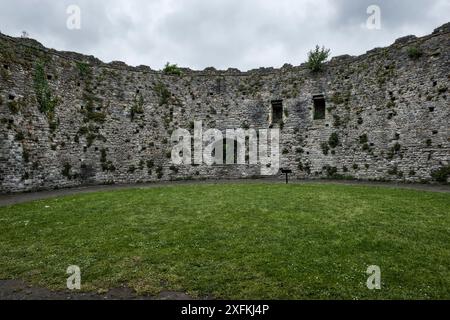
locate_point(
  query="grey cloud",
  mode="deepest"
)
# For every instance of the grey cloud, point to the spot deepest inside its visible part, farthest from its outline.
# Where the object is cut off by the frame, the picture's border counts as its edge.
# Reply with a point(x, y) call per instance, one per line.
point(221, 33)
point(395, 13)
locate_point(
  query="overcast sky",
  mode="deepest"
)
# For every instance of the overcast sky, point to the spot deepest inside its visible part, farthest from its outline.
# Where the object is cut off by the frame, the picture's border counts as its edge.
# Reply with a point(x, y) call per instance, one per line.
point(243, 34)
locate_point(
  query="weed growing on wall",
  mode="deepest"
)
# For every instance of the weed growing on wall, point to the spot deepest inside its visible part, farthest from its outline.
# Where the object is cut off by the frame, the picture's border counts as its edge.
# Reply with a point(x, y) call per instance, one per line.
point(163, 93)
point(46, 102)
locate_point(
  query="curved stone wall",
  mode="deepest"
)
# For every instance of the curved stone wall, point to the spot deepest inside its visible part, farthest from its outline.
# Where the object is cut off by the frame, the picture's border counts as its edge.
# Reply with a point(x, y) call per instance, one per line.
point(69, 119)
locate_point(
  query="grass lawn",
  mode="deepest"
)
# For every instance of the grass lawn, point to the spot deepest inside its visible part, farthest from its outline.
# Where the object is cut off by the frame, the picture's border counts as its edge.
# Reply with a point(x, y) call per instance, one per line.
point(252, 241)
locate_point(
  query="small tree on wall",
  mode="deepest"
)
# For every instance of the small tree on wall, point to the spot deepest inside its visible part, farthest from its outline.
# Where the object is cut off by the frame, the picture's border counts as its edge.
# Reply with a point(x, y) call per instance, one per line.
point(172, 69)
point(317, 57)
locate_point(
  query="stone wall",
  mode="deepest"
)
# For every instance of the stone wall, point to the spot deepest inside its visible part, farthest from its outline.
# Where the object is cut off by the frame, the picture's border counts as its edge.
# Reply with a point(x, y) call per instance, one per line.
point(68, 119)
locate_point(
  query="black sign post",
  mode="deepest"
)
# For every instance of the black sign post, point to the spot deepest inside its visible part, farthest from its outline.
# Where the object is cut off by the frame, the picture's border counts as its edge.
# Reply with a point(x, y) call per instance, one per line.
point(286, 172)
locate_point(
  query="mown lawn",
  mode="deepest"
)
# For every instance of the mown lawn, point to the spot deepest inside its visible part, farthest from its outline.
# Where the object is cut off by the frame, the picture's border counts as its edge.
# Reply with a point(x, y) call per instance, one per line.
point(252, 241)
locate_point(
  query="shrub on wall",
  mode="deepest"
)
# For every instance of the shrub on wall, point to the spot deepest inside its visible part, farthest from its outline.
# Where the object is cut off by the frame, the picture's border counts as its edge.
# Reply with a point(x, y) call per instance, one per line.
point(414, 52)
point(334, 140)
point(90, 110)
point(84, 69)
point(163, 93)
point(317, 57)
point(172, 69)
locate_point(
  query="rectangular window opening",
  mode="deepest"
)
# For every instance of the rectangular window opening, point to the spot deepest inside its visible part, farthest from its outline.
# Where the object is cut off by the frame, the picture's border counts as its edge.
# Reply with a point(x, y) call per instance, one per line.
point(319, 107)
point(277, 111)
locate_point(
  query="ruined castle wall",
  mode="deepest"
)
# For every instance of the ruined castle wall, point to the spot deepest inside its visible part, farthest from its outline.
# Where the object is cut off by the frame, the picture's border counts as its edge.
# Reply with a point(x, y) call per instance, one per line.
point(111, 123)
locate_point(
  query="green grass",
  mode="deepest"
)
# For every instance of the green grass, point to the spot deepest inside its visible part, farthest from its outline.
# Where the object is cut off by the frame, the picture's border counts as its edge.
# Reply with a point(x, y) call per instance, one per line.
point(253, 241)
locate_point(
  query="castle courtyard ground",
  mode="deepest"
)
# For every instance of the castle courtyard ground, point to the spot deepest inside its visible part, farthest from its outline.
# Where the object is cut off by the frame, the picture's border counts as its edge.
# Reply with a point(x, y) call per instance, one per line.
point(228, 240)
